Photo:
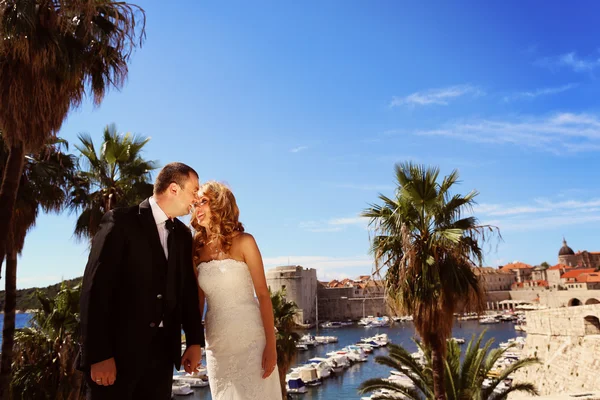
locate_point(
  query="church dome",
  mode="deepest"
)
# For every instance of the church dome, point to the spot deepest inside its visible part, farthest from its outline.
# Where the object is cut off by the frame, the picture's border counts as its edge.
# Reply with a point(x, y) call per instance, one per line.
point(565, 250)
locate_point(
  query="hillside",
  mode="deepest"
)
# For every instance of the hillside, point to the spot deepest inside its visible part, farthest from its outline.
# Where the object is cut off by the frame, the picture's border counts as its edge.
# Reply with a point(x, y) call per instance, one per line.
point(26, 299)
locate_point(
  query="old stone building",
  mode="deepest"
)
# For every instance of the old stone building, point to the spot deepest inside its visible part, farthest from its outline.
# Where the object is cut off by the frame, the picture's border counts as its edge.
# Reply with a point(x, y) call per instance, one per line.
point(584, 258)
point(336, 300)
point(494, 279)
point(300, 285)
point(523, 272)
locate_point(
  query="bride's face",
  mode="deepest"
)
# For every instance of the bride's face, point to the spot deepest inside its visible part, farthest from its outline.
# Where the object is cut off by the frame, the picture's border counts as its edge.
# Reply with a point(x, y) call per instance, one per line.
point(202, 211)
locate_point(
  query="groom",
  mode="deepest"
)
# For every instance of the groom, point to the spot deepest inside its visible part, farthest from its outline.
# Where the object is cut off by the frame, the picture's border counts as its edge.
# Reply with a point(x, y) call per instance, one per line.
point(139, 290)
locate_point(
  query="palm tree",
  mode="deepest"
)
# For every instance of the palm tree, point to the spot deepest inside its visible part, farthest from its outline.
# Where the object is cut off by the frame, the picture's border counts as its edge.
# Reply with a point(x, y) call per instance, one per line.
point(44, 368)
point(115, 176)
point(428, 249)
point(53, 53)
point(42, 187)
point(464, 380)
point(284, 312)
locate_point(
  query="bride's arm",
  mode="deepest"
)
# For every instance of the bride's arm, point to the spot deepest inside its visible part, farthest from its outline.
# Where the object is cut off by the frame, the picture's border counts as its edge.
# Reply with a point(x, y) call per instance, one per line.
point(254, 261)
point(201, 296)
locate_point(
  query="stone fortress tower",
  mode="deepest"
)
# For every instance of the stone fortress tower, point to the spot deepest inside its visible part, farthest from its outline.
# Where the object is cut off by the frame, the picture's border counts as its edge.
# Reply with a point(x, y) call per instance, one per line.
point(300, 285)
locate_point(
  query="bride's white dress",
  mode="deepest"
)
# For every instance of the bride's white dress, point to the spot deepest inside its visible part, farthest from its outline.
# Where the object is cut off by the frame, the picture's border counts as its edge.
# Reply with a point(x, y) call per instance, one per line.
point(235, 338)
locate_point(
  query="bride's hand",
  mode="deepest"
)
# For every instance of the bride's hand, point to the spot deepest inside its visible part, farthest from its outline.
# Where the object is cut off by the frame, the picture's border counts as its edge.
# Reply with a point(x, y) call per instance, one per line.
point(269, 361)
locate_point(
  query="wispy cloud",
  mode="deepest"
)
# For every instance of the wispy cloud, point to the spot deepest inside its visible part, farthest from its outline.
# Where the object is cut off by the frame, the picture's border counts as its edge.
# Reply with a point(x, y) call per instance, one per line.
point(440, 96)
point(334, 224)
point(319, 226)
point(298, 149)
point(559, 133)
point(327, 267)
point(571, 60)
point(539, 92)
point(542, 213)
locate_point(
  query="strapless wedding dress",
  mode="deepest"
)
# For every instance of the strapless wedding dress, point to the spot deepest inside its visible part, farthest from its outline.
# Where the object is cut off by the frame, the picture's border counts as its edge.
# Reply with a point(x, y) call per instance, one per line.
point(235, 337)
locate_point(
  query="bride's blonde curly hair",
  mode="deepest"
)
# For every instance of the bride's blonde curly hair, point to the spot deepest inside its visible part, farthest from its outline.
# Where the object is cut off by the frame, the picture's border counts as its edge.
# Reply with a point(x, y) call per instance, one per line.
point(224, 219)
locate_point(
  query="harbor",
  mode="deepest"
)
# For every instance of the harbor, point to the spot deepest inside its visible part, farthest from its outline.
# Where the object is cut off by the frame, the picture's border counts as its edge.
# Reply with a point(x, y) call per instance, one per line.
point(344, 385)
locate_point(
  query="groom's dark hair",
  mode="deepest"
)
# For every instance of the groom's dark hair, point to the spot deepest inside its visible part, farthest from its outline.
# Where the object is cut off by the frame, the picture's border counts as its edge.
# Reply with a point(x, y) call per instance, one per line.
point(173, 172)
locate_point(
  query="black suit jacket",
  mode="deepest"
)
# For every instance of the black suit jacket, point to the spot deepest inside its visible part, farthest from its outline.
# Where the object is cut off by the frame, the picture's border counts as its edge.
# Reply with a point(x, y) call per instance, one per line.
point(123, 283)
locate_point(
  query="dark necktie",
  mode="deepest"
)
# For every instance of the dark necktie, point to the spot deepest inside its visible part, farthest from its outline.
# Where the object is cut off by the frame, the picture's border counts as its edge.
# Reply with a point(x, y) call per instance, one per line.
point(171, 266)
point(170, 225)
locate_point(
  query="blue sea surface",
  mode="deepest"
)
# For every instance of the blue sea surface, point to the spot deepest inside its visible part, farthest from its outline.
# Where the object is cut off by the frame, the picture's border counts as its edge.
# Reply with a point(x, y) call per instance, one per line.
point(21, 320)
point(345, 386)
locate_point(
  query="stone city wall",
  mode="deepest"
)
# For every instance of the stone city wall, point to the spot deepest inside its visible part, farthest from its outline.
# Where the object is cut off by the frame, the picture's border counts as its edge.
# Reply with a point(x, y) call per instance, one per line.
point(563, 298)
point(341, 309)
point(567, 342)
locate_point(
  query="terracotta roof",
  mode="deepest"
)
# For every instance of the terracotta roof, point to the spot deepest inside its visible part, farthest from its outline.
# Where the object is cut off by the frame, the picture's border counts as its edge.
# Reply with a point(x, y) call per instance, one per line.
point(364, 277)
point(559, 266)
point(540, 282)
point(516, 265)
point(574, 273)
point(588, 278)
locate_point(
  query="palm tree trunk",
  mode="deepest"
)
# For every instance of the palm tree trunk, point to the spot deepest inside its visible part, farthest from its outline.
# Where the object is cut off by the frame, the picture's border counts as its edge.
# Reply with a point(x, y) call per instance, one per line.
point(437, 366)
point(282, 369)
point(8, 333)
point(8, 192)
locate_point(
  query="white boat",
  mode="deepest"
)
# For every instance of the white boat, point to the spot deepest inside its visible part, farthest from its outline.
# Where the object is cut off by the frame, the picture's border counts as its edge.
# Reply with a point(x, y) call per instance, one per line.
point(301, 347)
point(419, 356)
point(382, 338)
point(309, 376)
point(457, 340)
point(331, 325)
point(309, 341)
point(295, 385)
point(366, 348)
point(338, 363)
point(194, 382)
point(488, 320)
point(322, 366)
point(401, 378)
point(326, 339)
point(375, 322)
point(378, 393)
point(181, 389)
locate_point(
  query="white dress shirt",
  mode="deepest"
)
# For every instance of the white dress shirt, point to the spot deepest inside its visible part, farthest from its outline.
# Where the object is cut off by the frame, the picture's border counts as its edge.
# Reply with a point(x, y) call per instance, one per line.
point(160, 218)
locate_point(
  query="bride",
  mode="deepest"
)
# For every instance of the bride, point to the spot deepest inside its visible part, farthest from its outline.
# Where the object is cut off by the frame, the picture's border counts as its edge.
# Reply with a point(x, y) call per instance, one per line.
point(240, 334)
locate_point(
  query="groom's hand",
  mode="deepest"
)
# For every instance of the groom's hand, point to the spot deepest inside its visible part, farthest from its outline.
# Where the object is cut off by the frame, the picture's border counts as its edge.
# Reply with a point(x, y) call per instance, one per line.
point(191, 358)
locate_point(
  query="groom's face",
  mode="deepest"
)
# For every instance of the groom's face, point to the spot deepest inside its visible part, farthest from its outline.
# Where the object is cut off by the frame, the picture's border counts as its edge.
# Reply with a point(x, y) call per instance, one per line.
point(187, 195)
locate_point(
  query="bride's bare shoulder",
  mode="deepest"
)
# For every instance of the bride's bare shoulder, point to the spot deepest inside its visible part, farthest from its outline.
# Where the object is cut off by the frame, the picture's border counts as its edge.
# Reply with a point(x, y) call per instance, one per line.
point(242, 238)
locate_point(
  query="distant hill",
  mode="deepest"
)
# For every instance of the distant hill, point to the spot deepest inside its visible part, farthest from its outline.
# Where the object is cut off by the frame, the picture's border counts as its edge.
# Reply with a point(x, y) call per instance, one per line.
point(26, 299)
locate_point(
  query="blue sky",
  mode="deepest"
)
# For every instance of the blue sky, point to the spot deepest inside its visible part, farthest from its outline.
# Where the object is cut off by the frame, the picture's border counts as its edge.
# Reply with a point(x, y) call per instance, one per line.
point(304, 107)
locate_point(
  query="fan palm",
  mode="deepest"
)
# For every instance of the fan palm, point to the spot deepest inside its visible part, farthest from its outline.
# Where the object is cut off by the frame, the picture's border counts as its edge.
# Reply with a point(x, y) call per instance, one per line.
point(53, 53)
point(114, 176)
point(466, 380)
point(286, 339)
point(44, 368)
point(428, 249)
point(43, 187)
